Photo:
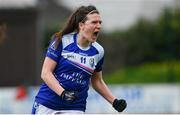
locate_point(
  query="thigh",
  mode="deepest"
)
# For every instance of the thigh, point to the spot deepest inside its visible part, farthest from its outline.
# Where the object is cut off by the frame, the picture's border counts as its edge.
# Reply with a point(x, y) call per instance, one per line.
point(68, 112)
point(41, 109)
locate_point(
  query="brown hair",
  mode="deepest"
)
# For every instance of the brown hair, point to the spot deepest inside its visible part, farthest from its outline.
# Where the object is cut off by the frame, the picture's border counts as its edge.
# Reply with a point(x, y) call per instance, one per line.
point(72, 24)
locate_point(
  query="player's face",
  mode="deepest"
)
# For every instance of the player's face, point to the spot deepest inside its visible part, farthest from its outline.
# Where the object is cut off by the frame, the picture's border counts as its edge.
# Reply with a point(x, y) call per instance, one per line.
point(91, 27)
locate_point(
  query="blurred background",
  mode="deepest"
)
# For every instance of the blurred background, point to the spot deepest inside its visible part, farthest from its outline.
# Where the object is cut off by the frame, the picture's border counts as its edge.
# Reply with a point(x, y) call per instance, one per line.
point(141, 39)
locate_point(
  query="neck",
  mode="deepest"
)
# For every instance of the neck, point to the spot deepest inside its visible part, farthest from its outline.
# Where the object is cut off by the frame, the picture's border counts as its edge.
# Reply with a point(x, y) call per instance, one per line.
point(82, 41)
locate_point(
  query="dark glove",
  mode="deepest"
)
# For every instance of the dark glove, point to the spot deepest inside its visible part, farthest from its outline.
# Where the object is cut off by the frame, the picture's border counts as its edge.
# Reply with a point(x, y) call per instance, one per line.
point(69, 96)
point(119, 105)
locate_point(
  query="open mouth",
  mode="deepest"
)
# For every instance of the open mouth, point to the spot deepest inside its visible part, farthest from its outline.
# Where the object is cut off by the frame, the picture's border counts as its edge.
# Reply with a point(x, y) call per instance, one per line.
point(96, 33)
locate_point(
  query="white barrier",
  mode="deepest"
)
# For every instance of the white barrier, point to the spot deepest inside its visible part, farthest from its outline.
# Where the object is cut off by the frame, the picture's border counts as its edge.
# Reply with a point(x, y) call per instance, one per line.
point(140, 99)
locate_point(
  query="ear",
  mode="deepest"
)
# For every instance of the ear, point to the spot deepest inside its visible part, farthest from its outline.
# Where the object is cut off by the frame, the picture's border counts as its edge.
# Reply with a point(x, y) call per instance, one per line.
point(81, 26)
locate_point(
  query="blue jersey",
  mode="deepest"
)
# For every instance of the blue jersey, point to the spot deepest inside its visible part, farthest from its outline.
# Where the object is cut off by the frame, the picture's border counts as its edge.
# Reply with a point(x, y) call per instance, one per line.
point(75, 66)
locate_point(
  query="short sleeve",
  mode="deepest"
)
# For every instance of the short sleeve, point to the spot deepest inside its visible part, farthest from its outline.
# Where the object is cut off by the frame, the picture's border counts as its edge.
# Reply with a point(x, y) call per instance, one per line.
point(54, 52)
point(99, 65)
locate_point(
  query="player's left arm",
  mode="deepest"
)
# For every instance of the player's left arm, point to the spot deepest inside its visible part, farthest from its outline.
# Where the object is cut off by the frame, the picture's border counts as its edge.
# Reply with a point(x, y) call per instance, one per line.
point(100, 86)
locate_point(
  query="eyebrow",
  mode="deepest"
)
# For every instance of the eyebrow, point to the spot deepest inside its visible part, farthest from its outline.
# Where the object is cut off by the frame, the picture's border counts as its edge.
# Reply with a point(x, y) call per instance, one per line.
point(97, 21)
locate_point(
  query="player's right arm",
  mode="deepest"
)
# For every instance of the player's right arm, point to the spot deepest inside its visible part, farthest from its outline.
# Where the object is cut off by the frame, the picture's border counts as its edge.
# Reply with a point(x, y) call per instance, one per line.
point(48, 76)
point(52, 57)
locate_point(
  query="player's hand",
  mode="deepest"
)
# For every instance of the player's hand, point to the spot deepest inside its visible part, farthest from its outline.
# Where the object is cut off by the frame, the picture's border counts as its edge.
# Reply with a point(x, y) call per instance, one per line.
point(119, 105)
point(69, 96)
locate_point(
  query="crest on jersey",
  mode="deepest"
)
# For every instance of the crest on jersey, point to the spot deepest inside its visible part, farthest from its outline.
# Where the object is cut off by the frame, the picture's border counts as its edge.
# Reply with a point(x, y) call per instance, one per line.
point(91, 62)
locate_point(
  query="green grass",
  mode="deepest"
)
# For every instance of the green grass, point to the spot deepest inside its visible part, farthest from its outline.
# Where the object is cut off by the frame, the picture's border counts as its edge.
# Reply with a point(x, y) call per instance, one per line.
point(166, 72)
